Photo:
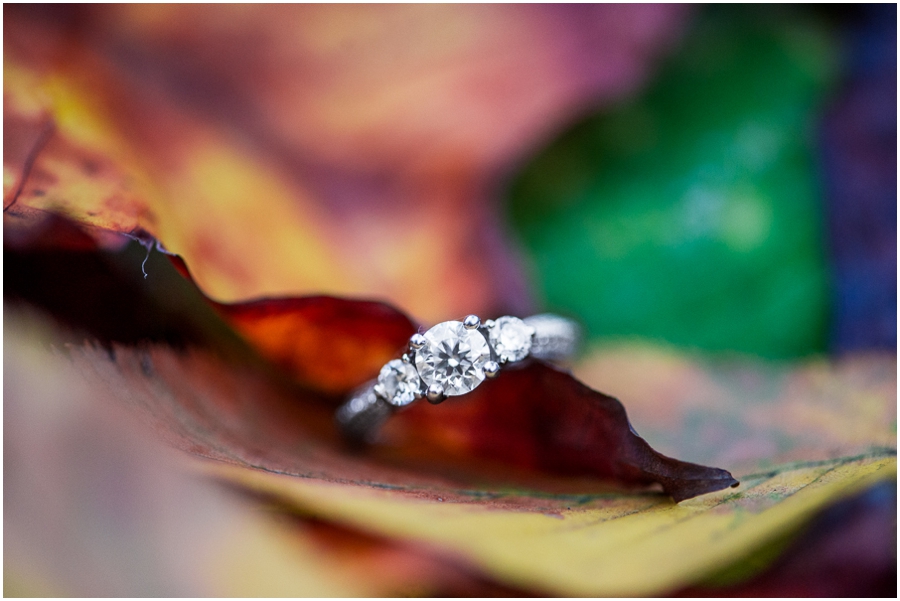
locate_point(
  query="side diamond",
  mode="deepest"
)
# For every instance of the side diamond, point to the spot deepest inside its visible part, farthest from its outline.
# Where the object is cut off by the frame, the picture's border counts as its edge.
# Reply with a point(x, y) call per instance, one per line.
point(511, 338)
point(398, 383)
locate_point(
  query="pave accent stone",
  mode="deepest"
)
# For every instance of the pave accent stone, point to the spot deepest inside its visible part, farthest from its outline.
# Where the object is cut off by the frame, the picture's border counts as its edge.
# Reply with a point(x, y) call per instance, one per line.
point(511, 338)
point(398, 383)
point(453, 357)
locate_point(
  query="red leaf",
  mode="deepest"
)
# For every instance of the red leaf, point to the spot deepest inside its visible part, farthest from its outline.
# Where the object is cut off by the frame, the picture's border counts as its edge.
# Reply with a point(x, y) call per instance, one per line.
point(536, 419)
point(329, 343)
point(541, 418)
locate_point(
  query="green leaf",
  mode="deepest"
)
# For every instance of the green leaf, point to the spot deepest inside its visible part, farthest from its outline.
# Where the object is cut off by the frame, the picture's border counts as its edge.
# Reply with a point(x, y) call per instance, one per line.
point(691, 215)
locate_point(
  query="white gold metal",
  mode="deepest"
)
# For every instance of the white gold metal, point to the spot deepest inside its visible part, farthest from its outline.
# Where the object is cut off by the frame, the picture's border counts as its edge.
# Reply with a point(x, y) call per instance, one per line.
point(451, 359)
point(435, 394)
point(555, 337)
point(491, 369)
point(416, 341)
point(472, 322)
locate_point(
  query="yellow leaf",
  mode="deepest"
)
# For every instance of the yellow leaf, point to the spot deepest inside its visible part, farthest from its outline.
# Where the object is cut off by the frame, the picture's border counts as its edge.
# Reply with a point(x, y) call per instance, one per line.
point(611, 546)
point(778, 425)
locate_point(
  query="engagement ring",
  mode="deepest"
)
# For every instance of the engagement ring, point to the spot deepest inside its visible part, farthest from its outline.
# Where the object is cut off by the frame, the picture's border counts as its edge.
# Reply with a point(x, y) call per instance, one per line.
point(451, 359)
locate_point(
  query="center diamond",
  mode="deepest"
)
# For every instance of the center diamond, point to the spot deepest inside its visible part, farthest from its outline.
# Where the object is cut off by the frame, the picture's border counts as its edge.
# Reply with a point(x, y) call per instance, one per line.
point(453, 357)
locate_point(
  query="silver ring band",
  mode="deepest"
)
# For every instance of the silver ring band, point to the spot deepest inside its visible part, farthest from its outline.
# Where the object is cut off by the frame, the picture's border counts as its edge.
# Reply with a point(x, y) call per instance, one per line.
point(451, 359)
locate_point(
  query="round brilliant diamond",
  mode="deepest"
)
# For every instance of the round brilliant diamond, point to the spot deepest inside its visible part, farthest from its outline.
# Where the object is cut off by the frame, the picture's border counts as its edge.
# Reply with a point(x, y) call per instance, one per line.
point(397, 383)
point(511, 338)
point(453, 357)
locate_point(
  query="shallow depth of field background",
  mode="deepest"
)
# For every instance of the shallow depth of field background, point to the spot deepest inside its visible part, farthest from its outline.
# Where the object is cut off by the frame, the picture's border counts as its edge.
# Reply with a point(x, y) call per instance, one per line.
point(709, 185)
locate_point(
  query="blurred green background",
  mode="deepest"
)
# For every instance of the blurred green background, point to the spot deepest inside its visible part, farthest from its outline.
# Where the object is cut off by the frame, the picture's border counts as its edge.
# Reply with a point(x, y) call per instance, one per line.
point(693, 214)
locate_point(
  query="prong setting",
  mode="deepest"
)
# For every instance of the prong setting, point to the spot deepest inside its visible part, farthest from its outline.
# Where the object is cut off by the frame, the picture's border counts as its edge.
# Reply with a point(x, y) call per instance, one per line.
point(491, 369)
point(416, 341)
point(451, 359)
point(435, 394)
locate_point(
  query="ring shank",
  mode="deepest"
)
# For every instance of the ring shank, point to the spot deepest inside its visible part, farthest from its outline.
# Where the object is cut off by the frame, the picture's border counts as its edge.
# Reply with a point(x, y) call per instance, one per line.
point(555, 338)
point(362, 416)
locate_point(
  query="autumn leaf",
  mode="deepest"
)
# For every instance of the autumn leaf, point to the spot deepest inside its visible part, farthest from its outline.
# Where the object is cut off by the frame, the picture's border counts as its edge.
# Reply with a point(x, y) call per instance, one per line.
point(603, 546)
point(128, 500)
point(535, 418)
point(326, 173)
point(547, 542)
point(365, 159)
point(328, 343)
point(222, 406)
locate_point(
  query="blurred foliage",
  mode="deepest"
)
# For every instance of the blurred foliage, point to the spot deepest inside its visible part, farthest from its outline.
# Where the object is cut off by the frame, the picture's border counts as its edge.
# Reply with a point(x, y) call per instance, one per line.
point(612, 546)
point(859, 156)
point(367, 133)
point(315, 155)
point(692, 214)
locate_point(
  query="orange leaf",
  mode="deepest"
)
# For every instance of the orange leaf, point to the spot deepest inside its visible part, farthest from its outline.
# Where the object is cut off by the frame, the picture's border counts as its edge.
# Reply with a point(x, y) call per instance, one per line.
point(289, 150)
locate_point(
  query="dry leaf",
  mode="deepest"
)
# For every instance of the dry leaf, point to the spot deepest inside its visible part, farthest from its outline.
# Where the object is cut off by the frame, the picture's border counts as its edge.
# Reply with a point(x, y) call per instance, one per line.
point(535, 418)
point(271, 187)
point(544, 541)
point(307, 149)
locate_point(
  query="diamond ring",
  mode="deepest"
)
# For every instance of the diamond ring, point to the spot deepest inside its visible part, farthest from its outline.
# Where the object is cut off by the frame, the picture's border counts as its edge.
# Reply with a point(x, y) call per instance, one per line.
point(451, 359)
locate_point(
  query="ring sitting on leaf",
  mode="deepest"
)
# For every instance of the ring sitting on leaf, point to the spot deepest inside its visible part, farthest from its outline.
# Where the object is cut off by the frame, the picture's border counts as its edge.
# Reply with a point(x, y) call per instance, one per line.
point(451, 359)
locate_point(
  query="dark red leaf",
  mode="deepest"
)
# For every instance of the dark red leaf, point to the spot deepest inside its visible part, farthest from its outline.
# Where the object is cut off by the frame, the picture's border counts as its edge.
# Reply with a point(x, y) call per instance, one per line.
point(541, 418)
point(532, 422)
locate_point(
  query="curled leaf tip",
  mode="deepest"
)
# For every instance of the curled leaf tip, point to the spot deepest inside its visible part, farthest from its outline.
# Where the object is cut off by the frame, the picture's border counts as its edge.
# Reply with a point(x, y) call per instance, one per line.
point(541, 418)
point(537, 421)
